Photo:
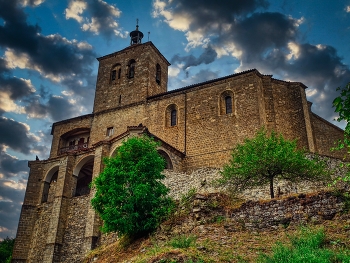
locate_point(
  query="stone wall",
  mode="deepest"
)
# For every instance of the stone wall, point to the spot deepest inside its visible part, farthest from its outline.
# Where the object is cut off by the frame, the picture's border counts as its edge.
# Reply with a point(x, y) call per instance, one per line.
point(258, 215)
point(73, 240)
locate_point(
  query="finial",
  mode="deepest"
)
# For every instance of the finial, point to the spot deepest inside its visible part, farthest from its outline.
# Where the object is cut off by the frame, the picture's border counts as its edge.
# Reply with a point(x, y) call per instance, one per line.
point(148, 35)
point(137, 24)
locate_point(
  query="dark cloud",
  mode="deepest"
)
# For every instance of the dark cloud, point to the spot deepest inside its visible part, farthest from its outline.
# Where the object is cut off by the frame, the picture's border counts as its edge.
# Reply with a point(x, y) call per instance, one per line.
point(208, 56)
point(16, 135)
point(261, 32)
point(57, 108)
point(11, 166)
point(10, 208)
point(203, 75)
point(53, 56)
point(205, 14)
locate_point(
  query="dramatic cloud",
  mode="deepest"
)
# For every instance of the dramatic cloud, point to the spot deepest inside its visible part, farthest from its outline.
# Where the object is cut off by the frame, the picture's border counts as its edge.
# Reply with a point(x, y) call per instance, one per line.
point(99, 16)
point(16, 135)
point(53, 56)
point(57, 108)
point(32, 2)
point(10, 166)
point(208, 56)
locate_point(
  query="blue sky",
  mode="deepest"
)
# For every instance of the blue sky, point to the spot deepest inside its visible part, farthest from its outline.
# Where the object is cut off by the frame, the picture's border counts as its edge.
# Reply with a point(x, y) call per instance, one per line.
point(48, 65)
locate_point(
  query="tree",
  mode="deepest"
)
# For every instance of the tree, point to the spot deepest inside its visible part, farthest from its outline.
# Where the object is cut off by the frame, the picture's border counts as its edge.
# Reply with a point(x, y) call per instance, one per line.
point(342, 106)
point(129, 197)
point(6, 247)
point(265, 158)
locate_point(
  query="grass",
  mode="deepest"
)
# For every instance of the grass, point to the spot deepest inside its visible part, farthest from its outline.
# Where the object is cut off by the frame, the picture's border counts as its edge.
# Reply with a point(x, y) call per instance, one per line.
point(308, 246)
point(183, 241)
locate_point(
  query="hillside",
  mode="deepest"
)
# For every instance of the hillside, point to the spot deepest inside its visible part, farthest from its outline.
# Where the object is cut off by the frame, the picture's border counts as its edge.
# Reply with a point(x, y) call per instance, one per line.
point(215, 228)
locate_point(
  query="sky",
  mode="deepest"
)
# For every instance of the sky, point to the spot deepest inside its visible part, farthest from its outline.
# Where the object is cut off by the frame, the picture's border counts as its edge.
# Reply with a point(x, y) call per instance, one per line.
point(48, 65)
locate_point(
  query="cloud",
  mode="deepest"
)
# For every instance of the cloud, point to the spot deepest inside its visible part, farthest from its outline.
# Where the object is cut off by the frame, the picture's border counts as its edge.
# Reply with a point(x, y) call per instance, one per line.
point(10, 166)
point(53, 56)
point(347, 9)
point(208, 56)
point(99, 17)
point(57, 108)
point(16, 135)
point(11, 198)
point(32, 2)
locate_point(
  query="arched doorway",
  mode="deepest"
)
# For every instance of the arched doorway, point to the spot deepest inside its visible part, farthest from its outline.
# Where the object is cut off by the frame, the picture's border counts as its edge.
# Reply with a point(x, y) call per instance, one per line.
point(49, 183)
point(83, 171)
point(168, 163)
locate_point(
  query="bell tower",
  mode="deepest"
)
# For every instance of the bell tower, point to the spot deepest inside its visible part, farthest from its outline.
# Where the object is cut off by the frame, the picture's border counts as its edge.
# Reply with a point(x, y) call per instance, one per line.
point(130, 75)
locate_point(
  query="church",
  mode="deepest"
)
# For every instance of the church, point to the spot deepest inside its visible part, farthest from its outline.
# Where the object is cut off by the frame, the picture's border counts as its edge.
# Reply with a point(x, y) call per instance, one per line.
point(196, 126)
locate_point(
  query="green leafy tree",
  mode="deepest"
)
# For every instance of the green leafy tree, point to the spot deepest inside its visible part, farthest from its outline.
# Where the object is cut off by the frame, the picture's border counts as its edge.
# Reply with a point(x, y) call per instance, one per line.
point(342, 106)
point(6, 247)
point(261, 160)
point(130, 198)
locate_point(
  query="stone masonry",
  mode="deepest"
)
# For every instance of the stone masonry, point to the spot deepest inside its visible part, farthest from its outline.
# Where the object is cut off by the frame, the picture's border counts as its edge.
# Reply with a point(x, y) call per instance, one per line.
point(197, 127)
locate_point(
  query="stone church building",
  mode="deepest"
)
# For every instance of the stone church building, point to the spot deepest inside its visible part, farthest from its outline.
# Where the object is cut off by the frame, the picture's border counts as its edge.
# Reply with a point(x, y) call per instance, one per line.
point(197, 126)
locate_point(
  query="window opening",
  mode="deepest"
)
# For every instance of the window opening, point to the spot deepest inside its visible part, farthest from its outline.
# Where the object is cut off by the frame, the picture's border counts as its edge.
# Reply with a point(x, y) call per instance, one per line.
point(114, 74)
point(131, 73)
point(228, 104)
point(120, 99)
point(173, 118)
point(158, 73)
point(110, 131)
point(119, 73)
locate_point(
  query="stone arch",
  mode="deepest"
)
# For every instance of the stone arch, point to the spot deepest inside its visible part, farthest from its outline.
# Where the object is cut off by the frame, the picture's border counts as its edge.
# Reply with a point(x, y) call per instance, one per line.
point(83, 171)
point(49, 182)
point(171, 115)
point(168, 162)
point(226, 102)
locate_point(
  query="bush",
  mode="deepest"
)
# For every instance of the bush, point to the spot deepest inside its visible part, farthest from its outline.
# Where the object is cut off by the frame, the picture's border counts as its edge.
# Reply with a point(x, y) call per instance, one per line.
point(129, 197)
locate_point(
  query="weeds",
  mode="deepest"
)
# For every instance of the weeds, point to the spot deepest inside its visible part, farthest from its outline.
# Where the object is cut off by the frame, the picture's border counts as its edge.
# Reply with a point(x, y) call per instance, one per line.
point(307, 246)
point(183, 241)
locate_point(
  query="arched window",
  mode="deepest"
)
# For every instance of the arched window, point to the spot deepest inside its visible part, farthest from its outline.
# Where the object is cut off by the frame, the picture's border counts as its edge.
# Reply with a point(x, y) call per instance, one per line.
point(131, 66)
point(173, 117)
point(158, 73)
point(116, 72)
point(228, 104)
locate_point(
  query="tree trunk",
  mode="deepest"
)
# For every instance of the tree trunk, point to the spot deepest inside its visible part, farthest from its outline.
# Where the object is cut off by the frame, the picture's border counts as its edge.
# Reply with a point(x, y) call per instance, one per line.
point(271, 188)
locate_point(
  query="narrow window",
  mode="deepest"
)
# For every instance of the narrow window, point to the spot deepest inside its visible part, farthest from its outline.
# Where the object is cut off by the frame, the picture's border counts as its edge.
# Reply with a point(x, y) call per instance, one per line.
point(120, 99)
point(119, 73)
point(114, 74)
point(158, 73)
point(228, 104)
point(110, 131)
point(173, 118)
point(131, 72)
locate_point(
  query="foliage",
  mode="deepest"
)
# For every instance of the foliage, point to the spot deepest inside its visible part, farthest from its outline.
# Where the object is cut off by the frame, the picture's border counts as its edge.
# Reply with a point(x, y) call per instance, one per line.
point(264, 158)
point(6, 247)
point(308, 246)
point(183, 241)
point(129, 197)
point(342, 106)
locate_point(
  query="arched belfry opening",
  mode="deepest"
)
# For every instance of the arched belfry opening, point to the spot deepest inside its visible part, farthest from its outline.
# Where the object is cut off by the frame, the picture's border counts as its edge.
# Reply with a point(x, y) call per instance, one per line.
point(83, 171)
point(168, 163)
point(136, 35)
